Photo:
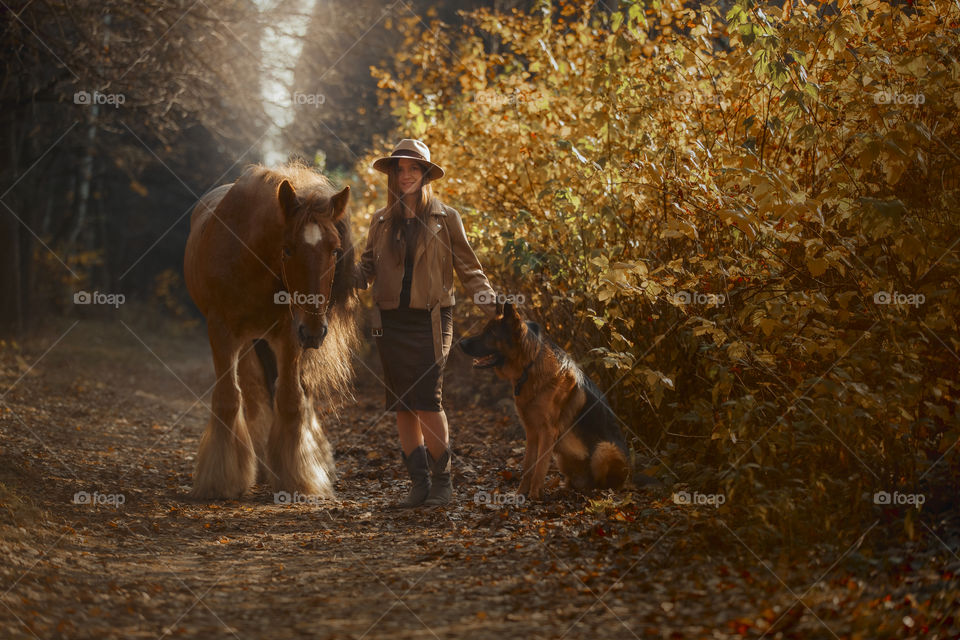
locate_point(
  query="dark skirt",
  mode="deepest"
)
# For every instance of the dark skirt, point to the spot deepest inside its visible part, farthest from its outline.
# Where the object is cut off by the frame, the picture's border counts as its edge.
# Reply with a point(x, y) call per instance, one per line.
point(412, 379)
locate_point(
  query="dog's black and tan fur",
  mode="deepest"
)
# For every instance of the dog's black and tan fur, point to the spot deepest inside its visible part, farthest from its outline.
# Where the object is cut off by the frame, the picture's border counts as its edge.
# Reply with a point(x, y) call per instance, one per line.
point(562, 411)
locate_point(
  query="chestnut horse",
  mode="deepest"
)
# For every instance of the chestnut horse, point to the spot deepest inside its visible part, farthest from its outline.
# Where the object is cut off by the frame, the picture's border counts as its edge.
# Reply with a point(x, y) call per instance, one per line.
point(269, 264)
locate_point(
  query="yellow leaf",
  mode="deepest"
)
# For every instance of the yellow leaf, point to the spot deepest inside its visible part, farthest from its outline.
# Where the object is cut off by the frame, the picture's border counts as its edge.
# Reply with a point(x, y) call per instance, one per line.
point(817, 266)
point(767, 325)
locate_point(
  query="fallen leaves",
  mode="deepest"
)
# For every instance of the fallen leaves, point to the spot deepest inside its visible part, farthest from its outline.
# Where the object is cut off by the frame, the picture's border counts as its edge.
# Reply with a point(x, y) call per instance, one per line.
point(539, 567)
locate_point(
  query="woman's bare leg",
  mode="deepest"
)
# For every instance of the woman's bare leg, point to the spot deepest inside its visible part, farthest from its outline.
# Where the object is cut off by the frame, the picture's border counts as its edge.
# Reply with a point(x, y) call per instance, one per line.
point(436, 432)
point(408, 428)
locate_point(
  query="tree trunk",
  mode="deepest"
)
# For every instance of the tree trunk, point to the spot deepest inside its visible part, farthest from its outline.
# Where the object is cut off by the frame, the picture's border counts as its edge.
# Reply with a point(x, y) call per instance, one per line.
point(85, 178)
point(11, 311)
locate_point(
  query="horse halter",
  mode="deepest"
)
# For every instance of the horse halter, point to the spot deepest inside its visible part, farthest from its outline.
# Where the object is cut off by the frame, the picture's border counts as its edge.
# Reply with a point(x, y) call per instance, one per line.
point(293, 298)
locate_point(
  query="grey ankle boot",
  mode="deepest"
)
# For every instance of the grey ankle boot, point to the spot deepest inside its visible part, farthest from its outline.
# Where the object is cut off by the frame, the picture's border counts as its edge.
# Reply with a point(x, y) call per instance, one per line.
point(441, 487)
point(418, 467)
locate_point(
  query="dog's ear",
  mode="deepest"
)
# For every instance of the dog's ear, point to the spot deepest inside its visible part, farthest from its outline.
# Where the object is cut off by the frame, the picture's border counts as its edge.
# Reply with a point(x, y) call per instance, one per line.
point(511, 317)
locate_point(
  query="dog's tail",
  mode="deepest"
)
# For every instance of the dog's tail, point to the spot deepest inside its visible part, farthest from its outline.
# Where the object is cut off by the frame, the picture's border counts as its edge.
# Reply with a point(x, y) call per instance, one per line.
point(609, 466)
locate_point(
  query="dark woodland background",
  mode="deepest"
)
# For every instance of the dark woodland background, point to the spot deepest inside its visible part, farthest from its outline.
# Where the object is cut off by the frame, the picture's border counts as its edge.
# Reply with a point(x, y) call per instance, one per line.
point(98, 196)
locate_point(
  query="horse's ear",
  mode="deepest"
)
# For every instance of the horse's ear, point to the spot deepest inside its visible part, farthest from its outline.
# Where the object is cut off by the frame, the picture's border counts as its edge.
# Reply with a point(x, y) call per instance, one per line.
point(287, 198)
point(499, 308)
point(338, 203)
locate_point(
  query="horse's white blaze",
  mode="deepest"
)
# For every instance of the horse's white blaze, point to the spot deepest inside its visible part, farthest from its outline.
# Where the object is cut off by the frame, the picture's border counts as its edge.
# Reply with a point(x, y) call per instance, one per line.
point(312, 234)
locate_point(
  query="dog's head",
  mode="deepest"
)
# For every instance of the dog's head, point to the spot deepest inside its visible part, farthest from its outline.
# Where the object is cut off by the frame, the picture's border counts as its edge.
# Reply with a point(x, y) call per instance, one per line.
point(500, 345)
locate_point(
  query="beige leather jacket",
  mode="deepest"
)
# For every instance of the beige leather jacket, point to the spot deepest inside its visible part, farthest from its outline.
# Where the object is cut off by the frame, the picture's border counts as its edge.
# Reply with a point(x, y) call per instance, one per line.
point(442, 249)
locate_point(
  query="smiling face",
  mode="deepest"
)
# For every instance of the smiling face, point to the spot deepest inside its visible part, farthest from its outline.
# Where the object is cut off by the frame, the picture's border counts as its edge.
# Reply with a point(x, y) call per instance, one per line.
point(409, 176)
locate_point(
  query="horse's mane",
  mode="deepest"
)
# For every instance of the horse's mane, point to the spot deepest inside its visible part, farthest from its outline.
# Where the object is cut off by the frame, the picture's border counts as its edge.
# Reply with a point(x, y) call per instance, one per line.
point(313, 189)
point(326, 372)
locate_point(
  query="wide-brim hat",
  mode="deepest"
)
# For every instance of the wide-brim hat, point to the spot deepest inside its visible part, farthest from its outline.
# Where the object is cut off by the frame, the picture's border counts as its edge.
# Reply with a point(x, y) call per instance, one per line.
point(410, 148)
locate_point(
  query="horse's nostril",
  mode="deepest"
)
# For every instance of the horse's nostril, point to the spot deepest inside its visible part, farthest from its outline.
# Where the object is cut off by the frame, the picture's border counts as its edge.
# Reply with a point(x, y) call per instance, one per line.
point(310, 340)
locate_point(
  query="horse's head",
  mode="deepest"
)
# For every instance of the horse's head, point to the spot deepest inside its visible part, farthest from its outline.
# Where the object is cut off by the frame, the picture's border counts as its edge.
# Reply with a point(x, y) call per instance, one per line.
point(312, 247)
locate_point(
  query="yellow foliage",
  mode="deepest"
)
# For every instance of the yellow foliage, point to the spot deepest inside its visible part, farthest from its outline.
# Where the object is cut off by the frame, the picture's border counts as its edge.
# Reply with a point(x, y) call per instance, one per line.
point(759, 206)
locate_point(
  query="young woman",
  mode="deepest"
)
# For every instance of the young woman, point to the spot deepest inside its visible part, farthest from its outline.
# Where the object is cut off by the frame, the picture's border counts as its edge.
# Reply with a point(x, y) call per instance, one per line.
point(413, 247)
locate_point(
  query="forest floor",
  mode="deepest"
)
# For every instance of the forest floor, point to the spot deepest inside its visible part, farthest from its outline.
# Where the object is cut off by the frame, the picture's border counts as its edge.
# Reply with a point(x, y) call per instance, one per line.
point(118, 407)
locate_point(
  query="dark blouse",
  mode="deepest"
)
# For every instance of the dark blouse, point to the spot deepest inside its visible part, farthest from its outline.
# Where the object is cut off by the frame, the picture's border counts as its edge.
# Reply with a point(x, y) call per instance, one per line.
point(409, 239)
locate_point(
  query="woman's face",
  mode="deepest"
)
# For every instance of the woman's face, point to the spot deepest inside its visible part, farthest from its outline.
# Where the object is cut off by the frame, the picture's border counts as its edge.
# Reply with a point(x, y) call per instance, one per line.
point(409, 176)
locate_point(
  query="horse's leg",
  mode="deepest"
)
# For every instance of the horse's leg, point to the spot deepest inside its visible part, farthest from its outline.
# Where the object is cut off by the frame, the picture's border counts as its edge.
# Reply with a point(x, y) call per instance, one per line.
point(256, 372)
point(298, 454)
point(226, 463)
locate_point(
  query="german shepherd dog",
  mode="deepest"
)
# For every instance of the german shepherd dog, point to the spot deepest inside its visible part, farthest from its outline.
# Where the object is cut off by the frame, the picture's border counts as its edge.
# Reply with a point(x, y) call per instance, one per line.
point(562, 411)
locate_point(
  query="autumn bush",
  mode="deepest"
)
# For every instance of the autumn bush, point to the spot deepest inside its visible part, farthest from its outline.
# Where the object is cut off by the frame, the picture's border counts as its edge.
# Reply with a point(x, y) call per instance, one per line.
point(743, 221)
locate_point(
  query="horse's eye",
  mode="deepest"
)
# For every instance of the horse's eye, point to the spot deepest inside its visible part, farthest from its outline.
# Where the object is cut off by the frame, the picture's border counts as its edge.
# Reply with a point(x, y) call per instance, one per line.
point(337, 254)
point(287, 252)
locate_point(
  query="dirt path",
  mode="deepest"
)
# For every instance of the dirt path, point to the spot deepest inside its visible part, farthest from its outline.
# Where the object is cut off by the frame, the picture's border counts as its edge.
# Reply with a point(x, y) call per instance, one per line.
point(117, 409)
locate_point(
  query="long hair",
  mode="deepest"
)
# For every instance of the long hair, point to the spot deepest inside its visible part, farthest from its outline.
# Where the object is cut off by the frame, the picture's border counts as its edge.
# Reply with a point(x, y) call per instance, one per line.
point(396, 210)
